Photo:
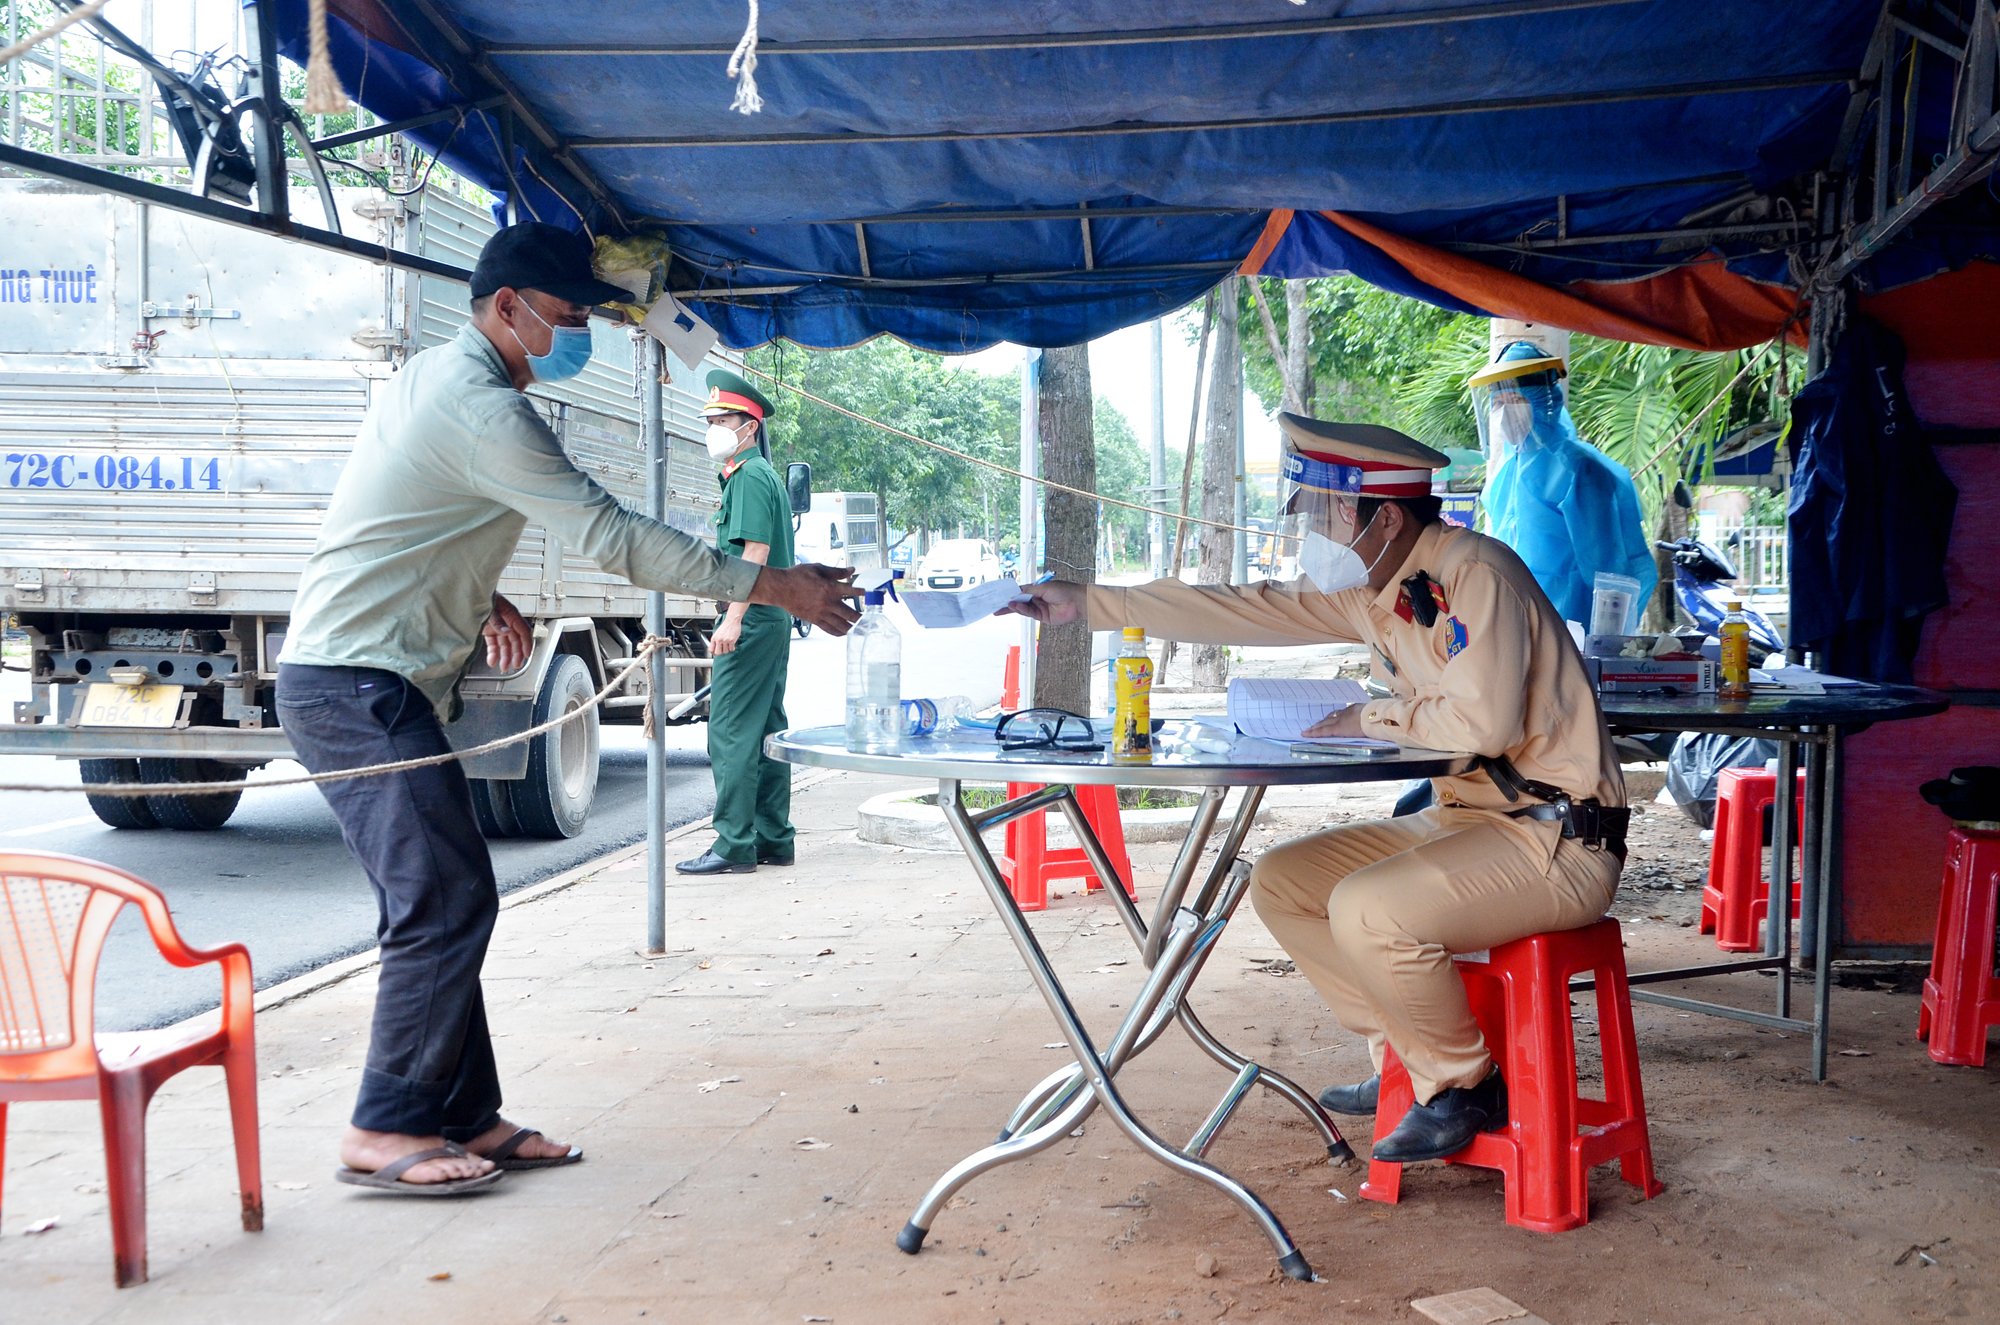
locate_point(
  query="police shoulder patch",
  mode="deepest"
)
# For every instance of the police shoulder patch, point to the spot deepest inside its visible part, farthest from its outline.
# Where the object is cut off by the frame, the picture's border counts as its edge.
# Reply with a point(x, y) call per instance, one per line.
point(1456, 637)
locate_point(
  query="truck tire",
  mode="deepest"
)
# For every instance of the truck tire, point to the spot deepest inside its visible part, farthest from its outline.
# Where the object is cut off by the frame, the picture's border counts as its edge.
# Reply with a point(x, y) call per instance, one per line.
point(493, 808)
point(554, 799)
point(191, 814)
point(117, 811)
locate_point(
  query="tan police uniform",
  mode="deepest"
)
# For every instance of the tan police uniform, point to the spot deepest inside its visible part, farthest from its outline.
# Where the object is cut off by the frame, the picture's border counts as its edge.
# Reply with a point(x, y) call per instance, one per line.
point(1372, 913)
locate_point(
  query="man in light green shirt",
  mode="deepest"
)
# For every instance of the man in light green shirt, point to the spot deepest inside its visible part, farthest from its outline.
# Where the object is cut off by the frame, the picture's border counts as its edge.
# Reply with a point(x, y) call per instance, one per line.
point(451, 463)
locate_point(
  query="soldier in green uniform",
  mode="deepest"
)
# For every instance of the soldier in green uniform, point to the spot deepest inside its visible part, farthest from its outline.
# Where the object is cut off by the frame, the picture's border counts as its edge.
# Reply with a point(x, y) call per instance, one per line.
point(751, 644)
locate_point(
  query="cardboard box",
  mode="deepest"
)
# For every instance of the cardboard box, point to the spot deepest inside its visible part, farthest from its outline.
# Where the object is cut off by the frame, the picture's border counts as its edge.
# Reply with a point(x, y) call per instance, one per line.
point(1625, 676)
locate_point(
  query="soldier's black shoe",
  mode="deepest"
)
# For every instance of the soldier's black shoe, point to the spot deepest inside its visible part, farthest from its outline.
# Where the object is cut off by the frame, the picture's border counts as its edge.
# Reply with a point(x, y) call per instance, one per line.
point(775, 857)
point(1355, 1101)
point(1447, 1124)
point(710, 863)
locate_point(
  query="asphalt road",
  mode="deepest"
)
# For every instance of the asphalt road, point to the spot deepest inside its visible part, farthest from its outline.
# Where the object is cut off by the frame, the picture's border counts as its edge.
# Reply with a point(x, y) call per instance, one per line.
point(278, 878)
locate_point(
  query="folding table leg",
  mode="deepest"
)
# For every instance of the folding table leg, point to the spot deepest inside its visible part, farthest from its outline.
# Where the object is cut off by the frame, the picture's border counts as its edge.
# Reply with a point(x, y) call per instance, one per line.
point(1180, 941)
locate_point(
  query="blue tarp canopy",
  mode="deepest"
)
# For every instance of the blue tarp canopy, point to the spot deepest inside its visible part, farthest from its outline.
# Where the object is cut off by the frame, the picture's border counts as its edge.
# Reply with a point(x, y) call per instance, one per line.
point(959, 173)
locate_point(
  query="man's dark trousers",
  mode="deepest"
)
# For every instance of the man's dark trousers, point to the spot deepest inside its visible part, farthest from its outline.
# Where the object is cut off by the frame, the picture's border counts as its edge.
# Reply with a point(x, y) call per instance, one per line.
point(430, 1067)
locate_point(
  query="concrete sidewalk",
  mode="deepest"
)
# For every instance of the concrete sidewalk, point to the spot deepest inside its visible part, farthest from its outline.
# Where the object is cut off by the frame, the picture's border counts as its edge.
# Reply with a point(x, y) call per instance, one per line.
point(763, 1107)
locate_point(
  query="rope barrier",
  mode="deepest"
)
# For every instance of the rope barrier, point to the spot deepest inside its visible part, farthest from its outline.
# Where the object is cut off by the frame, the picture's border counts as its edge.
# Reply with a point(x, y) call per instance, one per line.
point(647, 648)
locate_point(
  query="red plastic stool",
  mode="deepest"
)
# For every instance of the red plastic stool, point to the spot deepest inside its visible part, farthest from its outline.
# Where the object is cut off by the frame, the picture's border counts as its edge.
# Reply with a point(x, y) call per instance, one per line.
point(1554, 1135)
point(1028, 864)
point(1962, 996)
point(1736, 897)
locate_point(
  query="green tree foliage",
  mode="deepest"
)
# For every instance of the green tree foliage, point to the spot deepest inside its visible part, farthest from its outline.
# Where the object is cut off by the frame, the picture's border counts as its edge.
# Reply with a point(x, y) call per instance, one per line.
point(953, 405)
point(1364, 342)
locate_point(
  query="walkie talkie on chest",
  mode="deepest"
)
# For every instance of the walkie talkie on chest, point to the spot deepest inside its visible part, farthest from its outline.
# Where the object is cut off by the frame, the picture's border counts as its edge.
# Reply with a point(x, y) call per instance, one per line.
point(1423, 603)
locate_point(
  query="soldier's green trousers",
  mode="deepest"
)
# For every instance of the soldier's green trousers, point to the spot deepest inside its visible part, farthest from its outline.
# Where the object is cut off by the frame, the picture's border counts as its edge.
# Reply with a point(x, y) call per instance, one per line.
point(746, 703)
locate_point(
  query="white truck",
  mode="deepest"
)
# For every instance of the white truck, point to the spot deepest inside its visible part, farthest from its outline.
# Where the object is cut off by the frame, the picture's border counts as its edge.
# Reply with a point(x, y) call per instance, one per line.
point(177, 397)
point(838, 529)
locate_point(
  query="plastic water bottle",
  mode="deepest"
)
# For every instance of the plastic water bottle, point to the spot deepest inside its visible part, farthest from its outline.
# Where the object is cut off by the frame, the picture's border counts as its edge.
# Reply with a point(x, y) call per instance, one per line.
point(935, 717)
point(875, 723)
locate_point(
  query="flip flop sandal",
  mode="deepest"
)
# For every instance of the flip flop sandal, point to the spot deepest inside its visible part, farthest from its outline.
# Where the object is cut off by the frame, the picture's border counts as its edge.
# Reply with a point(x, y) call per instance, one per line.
point(388, 1178)
point(503, 1158)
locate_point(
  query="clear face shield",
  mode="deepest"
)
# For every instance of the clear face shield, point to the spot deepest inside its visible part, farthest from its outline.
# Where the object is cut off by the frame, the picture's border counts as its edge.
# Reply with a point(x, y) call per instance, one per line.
point(1510, 409)
point(1320, 524)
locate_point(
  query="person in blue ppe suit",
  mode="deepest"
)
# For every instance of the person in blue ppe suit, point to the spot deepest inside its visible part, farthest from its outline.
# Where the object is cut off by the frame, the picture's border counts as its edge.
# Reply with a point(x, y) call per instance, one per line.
point(1568, 509)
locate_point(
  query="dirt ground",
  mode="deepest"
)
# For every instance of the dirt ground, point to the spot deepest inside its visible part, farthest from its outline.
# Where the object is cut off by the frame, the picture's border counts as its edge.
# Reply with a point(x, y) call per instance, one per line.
point(1870, 1197)
point(763, 1106)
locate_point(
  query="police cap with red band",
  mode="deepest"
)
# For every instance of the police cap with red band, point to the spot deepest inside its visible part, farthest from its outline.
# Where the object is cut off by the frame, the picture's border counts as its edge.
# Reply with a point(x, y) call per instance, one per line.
point(1364, 459)
point(731, 393)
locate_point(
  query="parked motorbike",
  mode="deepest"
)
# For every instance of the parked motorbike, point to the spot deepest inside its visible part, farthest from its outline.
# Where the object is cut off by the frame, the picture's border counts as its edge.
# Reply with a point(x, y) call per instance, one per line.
point(1701, 575)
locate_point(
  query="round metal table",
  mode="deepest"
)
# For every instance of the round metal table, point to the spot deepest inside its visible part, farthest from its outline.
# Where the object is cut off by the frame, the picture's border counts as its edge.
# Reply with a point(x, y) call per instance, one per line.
point(1174, 944)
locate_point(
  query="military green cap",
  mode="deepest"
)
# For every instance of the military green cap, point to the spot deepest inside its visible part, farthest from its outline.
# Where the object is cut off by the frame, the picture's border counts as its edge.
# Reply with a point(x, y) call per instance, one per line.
point(730, 393)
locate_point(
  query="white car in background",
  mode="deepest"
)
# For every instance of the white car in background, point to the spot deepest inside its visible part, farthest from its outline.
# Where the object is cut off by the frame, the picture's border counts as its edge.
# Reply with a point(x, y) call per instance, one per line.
point(958, 563)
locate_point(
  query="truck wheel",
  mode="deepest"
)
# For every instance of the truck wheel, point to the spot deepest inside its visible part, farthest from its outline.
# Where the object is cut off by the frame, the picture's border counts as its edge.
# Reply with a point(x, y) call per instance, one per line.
point(118, 811)
point(192, 814)
point(493, 808)
point(554, 798)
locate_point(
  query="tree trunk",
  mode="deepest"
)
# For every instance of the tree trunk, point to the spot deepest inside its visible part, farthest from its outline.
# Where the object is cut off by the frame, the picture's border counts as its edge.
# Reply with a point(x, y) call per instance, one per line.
point(1069, 455)
point(1662, 614)
point(1298, 347)
point(1218, 473)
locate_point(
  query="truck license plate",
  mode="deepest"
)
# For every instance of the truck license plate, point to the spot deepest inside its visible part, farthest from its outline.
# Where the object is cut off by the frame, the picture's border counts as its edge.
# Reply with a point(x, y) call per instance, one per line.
point(130, 706)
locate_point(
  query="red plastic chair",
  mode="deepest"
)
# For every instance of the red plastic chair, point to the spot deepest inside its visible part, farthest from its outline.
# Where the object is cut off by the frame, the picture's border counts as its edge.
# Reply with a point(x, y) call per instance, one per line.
point(1736, 897)
point(1029, 864)
point(1555, 1134)
point(55, 912)
point(1961, 999)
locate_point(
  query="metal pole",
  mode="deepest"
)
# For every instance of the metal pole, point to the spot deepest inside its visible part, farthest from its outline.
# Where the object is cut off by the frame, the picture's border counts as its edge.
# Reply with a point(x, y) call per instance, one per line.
point(1239, 556)
point(1031, 464)
point(269, 139)
point(652, 424)
point(1157, 523)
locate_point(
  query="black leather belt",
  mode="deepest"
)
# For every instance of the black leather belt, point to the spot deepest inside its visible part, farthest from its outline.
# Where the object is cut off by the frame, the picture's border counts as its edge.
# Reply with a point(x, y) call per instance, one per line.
point(1599, 827)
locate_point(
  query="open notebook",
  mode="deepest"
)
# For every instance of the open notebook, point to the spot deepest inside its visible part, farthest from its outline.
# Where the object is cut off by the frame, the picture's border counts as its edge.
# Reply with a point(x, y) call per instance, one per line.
point(1281, 710)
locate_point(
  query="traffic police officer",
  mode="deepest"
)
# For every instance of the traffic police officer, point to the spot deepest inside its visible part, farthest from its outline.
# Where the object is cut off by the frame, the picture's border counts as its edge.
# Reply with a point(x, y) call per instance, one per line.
point(751, 645)
point(1474, 659)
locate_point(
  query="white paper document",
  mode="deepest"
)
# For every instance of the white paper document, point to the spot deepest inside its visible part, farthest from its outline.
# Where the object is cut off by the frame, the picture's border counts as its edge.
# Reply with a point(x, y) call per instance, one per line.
point(1281, 710)
point(943, 609)
point(1797, 680)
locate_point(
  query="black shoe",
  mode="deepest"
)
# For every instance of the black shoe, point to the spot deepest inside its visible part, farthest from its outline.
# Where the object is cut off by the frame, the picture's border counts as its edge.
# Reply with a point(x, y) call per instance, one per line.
point(775, 857)
point(710, 863)
point(1356, 1101)
point(1447, 1124)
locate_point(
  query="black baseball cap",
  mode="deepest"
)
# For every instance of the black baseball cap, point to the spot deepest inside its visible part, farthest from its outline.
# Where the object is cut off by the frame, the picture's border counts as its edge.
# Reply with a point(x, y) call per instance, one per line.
point(535, 255)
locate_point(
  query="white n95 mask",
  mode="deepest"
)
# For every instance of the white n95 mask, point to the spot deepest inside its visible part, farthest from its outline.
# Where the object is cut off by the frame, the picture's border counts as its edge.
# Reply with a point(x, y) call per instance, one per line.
point(722, 442)
point(1334, 567)
point(1331, 566)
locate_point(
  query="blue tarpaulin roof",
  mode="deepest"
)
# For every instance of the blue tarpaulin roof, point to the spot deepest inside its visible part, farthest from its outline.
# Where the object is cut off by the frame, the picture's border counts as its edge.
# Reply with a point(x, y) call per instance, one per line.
point(1156, 137)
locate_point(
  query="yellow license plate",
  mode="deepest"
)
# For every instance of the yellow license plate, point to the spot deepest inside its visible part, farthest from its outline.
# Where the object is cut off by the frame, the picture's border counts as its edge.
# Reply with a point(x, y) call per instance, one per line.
point(130, 706)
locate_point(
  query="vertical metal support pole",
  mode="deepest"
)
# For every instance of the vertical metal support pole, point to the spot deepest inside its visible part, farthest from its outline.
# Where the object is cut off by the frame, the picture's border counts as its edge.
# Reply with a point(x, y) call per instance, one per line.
point(1239, 555)
point(652, 424)
point(507, 158)
point(269, 140)
point(1156, 524)
point(1031, 464)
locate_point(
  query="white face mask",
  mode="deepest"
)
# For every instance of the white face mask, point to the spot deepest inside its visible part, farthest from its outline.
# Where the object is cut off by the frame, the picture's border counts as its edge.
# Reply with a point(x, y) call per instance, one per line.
point(1333, 567)
point(1510, 424)
point(722, 442)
